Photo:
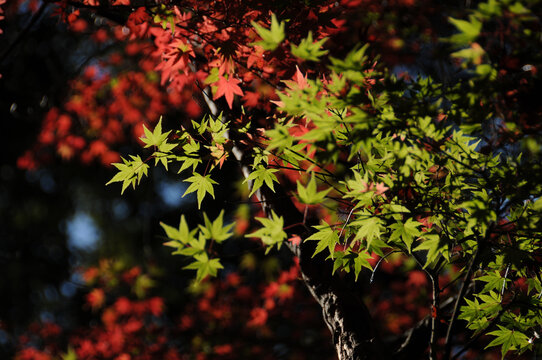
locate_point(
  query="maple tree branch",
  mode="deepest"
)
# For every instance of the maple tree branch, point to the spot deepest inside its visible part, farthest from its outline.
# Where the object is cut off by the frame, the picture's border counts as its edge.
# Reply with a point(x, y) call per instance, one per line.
point(373, 273)
point(278, 166)
point(416, 338)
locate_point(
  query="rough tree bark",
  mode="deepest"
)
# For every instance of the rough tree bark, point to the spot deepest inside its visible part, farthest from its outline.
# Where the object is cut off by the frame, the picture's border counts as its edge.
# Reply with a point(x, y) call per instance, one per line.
point(346, 315)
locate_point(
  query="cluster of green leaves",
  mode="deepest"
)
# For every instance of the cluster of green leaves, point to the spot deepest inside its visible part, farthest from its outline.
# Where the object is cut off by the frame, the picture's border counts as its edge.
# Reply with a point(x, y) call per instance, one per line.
point(457, 204)
point(506, 207)
point(272, 231)
point(403, 159)
point(206, 140)
point(189, 154)
point(308, 49)
point(130, 172)
point(198, 242)
point(454, 187)
point(389, 155)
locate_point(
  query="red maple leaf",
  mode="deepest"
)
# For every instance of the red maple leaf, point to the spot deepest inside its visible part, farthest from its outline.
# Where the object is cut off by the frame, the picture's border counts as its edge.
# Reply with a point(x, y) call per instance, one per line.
point(299, 80)
point(228, 88)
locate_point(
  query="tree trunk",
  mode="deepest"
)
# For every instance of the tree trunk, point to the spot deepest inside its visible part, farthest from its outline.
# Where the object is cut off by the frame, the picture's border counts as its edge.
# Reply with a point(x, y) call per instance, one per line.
point(343, 309)
point(345, 313)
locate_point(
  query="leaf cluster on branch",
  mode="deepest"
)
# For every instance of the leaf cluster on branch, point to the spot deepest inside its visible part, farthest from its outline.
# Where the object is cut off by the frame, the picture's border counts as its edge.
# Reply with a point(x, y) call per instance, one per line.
point(359, 158)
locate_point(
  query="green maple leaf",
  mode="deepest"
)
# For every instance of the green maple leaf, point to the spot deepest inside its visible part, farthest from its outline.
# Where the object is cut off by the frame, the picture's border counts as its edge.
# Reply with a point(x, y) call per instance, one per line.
point(347, 260)
point(188, 161)
point(350, 66)
point(369, 229)
point(213, 76)
point(179, 236)
point(494, 281)
point(163, 153)
point(279, 137)
point(261, 175)
point(218, 128)
point(159, 140)
point(130, 172)
point(360, 261)
point(154, 138)
point(471, 311)
point(326, 237)
point(271, 38)
point(194, 246)
point(435, 246)
point(272, 232)
point(204, 266)
point(510, 339)
point(260, 156)
point(309, 194)
point(215, 230)
point(201, 185)
point(308, 49)
point(201, 126)
point(468, 30)
point(191, 157)
point(406, 231)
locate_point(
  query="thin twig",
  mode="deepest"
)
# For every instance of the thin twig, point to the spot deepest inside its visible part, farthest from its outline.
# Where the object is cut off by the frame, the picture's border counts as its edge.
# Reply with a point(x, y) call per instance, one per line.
point(451, 282)
point(504, 282)
point(378, 264)
point(346, 222)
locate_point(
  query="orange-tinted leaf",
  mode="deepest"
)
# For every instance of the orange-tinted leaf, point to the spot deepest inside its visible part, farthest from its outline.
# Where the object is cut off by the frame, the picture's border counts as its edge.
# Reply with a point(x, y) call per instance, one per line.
point(96, 298)
point(228, 88)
